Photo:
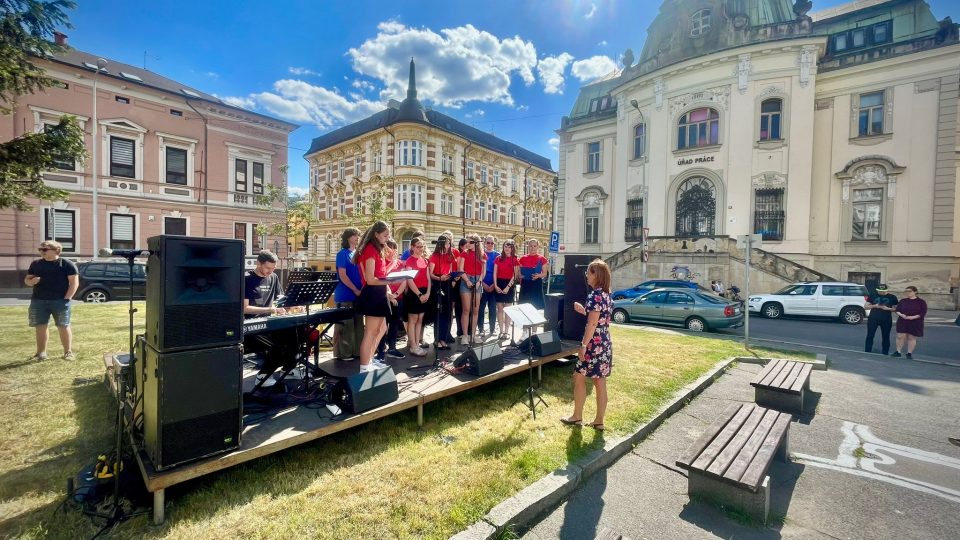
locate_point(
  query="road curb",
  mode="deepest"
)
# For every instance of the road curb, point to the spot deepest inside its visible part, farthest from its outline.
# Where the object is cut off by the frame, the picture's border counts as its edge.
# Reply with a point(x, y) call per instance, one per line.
point(535, 500)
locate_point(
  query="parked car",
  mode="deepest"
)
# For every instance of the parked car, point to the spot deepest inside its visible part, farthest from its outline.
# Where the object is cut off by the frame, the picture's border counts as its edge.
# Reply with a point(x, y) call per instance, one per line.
point(652, 284)
point(102, 281)
point(822, 299)
point(690, 308)
point(556, 283)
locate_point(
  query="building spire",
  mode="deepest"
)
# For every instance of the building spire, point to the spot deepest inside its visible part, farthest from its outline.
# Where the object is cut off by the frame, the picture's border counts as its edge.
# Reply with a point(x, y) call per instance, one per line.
point(412, 84)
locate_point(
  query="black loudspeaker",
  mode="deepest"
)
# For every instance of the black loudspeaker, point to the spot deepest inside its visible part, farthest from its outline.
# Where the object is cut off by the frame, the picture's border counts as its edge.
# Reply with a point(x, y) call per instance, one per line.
point(575, 289)
point(553, 311)
point(366, 390)
point(482, 360)
point(194, 292)
point(544, 344)
point(192, 404)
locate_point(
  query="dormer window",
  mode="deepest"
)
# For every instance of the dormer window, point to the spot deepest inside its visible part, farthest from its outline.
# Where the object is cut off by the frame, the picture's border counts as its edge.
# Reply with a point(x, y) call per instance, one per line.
point(700, 23)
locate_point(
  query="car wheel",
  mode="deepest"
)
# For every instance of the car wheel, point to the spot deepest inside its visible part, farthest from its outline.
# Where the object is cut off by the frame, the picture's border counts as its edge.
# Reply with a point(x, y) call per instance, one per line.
point(620, 316)
point(96, 296)
point(772, 310)
point(696, 324)
point(851, 315)
point(619, 297)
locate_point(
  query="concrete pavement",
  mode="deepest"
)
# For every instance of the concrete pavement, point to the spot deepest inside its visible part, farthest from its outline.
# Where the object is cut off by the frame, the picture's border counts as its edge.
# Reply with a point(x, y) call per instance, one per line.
point(873, 462)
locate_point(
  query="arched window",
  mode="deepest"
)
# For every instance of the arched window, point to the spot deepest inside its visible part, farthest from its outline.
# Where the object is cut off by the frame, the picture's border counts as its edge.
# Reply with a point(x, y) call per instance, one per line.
point(699, 127)
point(770, 119)
point(696, 207)
point(700, 23)
point(639, 140)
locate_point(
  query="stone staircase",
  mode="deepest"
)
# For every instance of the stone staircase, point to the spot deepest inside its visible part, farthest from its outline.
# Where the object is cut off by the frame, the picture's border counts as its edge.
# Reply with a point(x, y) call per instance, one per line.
point(708, 258)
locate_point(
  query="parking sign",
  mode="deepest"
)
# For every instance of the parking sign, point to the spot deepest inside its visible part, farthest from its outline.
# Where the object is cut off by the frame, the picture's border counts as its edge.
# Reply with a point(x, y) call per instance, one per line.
point(554, 242)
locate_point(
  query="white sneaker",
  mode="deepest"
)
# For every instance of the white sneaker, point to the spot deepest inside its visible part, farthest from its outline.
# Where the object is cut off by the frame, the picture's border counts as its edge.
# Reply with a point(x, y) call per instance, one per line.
point(367, 368)
point(268, 380)
point(379, 364)
point(464, 340)
point(296, 373)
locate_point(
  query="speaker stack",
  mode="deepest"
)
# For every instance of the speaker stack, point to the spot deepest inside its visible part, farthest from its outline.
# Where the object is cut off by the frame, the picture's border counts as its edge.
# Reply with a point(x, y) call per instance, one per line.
point(544, 344)
point(575, 289)
point(192, 395)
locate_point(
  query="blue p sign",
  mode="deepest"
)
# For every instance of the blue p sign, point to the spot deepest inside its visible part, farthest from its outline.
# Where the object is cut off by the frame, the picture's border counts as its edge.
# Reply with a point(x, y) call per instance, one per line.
point(554, 242)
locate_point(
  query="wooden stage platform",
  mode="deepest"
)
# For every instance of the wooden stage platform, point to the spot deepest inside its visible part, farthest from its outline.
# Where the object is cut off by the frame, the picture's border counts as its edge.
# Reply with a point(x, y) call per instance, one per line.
point(297, 424)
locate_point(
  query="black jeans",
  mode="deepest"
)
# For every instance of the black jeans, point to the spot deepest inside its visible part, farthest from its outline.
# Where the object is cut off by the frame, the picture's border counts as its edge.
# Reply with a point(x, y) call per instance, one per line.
point(389, 340)
point(884, 323)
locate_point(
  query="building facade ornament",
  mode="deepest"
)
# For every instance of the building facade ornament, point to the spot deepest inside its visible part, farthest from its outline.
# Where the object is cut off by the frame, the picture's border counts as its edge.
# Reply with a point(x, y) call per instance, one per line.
point(807, 62)
point(743, 72)
point(769, 180)
point(870, 171)
point(719, 97)
point(658, 88)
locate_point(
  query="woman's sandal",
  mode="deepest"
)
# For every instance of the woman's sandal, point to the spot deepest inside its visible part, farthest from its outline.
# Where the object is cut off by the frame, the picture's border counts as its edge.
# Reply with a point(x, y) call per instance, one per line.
point(598, 427)
point(571, 422)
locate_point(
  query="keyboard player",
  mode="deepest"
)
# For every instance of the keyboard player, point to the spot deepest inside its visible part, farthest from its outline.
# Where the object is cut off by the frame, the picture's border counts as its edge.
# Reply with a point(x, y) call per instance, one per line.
point(260, 291)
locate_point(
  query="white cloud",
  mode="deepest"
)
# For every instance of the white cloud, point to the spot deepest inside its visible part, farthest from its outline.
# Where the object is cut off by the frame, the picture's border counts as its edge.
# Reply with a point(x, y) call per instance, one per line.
point(302, 71)
point(297, 191)
point(454, 66)
point(212, 74)
point(592, 12)
point(554, 143)
point(593, 67)
point(523, 108)
point(363, 85)
point(476, 114)
point(243, 103)
point(303, 102)
point(551, 71)
point(602, 43)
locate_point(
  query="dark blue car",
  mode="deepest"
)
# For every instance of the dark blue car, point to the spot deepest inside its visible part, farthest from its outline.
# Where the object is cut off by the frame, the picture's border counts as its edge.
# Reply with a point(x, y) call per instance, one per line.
point(648, 286)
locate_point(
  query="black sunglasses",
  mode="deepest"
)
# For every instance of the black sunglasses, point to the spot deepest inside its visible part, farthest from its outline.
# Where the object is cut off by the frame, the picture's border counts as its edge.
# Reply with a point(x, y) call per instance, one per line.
point(46, 249)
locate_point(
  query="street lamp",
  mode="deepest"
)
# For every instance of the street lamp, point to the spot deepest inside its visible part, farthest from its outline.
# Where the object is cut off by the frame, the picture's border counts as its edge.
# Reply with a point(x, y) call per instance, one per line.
point(101, 64)
point(643, 189)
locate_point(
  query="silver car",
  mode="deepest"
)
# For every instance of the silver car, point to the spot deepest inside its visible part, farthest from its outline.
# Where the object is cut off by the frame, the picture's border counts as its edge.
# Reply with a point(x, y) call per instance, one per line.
point(692, 309)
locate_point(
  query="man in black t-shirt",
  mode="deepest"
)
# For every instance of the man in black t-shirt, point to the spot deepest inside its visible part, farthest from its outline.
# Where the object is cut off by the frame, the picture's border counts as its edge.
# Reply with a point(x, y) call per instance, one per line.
point(881, 305)
point(261, 287)
point(54, 281)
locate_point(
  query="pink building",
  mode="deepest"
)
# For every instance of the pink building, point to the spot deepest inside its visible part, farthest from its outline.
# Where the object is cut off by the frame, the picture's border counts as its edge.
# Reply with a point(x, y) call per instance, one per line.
point(170, 159)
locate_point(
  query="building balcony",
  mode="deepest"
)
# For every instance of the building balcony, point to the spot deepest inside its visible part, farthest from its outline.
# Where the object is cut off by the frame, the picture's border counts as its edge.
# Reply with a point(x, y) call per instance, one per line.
point(249, 200)
point(633, 229)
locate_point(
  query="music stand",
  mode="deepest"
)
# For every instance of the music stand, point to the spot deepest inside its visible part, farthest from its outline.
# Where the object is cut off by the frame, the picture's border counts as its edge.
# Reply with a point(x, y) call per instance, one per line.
point(528, 318)
point(302, 274)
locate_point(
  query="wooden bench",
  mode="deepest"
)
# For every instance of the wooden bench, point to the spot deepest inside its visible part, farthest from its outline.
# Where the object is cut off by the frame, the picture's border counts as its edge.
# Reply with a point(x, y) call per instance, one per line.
point(782, 385)
point(728, 464)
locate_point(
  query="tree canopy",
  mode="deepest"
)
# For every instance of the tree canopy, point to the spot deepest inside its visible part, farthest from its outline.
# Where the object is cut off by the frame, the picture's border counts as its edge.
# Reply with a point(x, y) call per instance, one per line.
point(26, 27)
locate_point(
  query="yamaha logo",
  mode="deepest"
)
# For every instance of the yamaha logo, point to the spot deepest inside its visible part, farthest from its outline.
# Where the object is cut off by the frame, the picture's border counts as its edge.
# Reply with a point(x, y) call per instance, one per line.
point(255, 327)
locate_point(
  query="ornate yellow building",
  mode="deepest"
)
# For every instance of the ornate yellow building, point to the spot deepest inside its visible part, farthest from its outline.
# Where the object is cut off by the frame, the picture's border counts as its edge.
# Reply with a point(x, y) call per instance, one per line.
point(435, 172)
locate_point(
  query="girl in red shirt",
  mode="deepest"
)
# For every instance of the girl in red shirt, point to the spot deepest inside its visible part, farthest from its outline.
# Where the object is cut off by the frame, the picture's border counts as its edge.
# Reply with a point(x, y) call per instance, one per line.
point(442, 263)
point(473, 265)
point(388, 344)
point(507, 273)
point(374, 300)
point(417, 297)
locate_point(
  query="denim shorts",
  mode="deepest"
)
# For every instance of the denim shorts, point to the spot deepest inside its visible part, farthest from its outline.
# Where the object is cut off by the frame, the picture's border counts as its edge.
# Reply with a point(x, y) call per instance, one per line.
point(41, 310)
point(464, 289)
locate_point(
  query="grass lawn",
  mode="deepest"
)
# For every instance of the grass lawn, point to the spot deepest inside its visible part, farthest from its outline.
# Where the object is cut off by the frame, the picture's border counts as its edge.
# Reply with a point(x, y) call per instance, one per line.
point(385, 479)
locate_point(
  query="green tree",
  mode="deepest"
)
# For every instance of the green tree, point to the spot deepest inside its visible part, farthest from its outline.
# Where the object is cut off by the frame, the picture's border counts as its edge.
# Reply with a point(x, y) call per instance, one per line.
point(291, 215)
point(26, 27)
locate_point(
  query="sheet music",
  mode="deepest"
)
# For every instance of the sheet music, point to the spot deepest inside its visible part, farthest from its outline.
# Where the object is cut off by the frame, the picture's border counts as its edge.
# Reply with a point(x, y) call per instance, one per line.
point(401, 275)
point(524, 315)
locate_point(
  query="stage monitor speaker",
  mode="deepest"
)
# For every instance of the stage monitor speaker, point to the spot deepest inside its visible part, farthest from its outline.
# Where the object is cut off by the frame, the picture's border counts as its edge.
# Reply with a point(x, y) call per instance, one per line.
point(553, 311)
point(575, 289)
point(366, 390)
point(194, 292)
point(483, 359)
point(544, 344)
point(192, 404)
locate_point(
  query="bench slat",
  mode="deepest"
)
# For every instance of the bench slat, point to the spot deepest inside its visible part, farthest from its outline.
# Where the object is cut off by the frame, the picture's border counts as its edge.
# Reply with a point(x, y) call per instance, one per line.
point(747, 454)
point(789, 372)
point(761, 463)
point(720, 441)
point(778, 366)
point(733, 448)
point(763, 373)
point(694, 450)
point(802, 378)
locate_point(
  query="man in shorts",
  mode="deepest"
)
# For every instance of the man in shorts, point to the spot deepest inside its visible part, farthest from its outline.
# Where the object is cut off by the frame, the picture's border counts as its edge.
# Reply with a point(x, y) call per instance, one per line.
point(54, 281)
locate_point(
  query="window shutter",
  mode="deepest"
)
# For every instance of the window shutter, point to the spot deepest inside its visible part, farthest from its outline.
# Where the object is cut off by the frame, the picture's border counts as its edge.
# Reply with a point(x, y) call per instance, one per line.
point(177, 160)
point(63, 224)
point(121, 151)
point(122, 228)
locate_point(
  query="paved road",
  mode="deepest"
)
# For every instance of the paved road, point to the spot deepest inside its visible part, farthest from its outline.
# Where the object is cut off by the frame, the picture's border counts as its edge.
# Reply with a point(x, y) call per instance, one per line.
point(940, 341)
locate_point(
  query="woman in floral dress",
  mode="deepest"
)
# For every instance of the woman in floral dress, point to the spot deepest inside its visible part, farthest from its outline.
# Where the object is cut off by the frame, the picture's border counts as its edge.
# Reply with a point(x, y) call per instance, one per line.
point(596, 350)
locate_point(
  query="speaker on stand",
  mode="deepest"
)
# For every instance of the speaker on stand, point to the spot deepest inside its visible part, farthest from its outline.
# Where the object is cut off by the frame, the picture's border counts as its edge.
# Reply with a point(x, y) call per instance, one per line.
point(575, 290)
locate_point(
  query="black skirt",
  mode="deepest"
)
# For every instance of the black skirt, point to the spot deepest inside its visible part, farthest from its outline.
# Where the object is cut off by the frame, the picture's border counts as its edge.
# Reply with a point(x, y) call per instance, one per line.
point(506, 298)
point(412, 303)
point(531, 292)
point(372, 301)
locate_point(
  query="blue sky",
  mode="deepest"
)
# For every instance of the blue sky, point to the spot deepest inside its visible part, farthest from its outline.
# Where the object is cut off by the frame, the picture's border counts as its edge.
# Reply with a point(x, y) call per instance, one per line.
point(508, 67)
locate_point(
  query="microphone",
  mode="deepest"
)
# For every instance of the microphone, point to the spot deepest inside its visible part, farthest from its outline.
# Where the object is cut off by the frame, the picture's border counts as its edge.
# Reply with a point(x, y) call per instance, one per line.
point(128, 253)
